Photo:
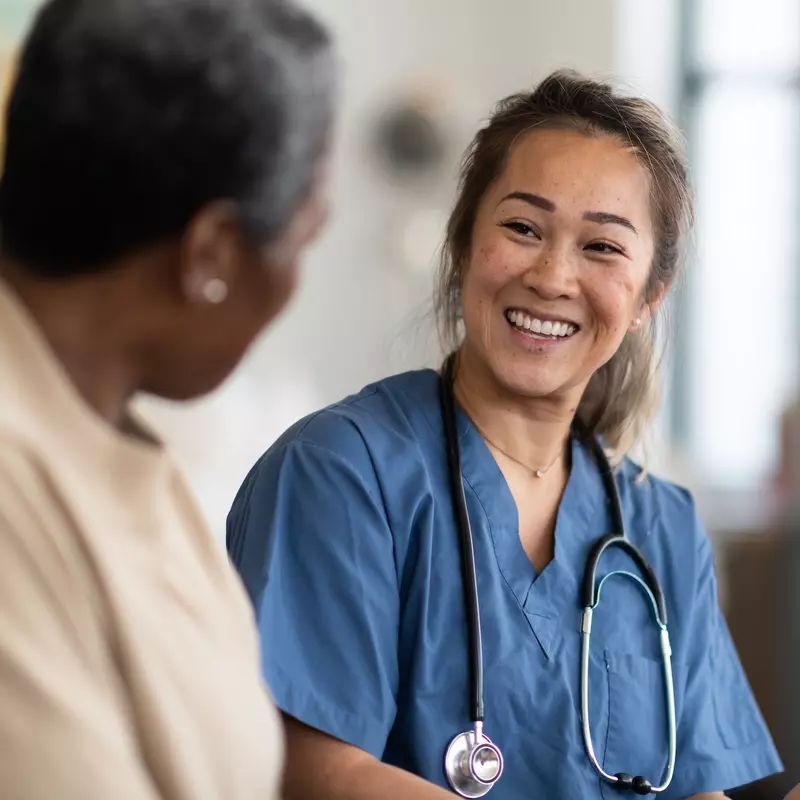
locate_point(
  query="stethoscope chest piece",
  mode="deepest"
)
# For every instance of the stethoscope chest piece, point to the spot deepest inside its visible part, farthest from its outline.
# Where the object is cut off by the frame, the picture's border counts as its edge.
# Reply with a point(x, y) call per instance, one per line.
point(473, 763)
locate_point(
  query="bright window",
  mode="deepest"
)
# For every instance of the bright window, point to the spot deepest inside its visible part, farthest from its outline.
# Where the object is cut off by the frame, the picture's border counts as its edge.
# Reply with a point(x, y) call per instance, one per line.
point(739, 347)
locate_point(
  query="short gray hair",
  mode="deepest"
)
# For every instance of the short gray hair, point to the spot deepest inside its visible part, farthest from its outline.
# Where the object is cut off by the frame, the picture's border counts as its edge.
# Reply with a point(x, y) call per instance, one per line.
point(128, 116)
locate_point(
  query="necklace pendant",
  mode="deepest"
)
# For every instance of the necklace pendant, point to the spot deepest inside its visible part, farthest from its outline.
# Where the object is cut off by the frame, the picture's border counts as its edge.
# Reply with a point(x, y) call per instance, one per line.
point(538, 473)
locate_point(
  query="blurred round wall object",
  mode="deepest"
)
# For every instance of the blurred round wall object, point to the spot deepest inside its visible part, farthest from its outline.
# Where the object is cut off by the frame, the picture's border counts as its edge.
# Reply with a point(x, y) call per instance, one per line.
point(410, 136)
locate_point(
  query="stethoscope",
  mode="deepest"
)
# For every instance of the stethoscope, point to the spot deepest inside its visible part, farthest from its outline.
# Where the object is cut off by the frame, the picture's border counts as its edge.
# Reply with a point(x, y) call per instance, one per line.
point(473, 763)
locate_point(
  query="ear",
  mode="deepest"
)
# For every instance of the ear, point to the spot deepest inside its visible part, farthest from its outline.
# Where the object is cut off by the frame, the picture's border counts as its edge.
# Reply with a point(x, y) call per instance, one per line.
point(649, 308)
point(210, 254)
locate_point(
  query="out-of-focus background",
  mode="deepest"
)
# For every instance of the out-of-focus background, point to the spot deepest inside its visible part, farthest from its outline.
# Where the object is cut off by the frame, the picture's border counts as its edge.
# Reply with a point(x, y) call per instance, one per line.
point(418, 77)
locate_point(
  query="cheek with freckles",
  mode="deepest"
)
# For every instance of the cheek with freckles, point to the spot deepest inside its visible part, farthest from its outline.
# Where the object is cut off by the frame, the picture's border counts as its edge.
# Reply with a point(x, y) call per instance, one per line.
point(615, 301)
point(485, 276)
point(489, 269)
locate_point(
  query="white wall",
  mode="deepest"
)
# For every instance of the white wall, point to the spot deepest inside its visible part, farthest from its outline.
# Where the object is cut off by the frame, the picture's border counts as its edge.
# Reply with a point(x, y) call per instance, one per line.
point(647, 49)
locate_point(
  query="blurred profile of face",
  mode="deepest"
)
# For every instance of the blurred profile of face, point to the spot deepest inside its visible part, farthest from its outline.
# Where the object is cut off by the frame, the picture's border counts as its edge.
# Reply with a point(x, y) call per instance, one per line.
point(206, 339)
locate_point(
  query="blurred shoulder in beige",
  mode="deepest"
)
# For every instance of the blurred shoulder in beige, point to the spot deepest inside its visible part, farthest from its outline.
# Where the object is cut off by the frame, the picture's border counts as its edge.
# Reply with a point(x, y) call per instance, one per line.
point(157, 197)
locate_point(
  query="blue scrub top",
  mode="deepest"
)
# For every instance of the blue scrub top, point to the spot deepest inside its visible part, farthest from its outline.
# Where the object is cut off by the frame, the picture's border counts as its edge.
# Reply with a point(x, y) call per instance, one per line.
point(345, 537)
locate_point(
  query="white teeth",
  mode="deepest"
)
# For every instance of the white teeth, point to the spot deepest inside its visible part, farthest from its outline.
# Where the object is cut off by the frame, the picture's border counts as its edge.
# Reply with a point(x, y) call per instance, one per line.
point(547, 328)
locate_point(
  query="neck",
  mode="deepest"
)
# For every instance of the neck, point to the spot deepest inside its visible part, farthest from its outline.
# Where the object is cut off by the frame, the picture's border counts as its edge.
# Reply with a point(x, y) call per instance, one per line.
point(82, 320)
point(531, 431)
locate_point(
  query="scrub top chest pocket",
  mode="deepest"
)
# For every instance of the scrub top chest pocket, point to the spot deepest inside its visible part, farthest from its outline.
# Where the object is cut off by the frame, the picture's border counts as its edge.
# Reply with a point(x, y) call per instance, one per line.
point(635, 725)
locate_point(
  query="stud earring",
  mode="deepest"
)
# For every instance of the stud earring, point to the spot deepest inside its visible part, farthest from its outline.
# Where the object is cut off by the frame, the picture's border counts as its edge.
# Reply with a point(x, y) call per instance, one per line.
point(215, 291)
point(637, 323)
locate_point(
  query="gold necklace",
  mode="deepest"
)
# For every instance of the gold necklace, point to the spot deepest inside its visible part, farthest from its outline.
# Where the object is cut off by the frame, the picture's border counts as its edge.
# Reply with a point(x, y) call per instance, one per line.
point(538, 473)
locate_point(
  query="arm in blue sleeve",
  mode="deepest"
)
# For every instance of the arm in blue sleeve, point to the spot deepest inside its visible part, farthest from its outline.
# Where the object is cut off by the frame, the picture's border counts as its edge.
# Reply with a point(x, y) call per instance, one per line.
point(723, 741)
point(310, 537)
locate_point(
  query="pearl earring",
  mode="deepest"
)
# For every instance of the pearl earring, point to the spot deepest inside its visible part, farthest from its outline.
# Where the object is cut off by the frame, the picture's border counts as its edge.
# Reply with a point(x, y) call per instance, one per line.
point(215, 291)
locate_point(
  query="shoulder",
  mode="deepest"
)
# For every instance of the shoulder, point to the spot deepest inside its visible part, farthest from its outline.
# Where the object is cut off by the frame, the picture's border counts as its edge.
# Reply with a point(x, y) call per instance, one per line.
point(368, 444)
point(30, 508)
point(653, 494)
point(662, 514)
point(38, 537)
point(337, 473)
point(663, 522)
point(367, 428)
point(392, 406)
point(24, 485)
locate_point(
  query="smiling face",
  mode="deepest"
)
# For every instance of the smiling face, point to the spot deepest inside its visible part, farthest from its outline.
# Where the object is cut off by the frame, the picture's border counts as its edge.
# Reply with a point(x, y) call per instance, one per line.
point(560, 257)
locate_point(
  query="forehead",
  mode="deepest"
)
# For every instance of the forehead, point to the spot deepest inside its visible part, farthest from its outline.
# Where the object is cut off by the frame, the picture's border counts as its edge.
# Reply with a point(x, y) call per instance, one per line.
point(578, 172)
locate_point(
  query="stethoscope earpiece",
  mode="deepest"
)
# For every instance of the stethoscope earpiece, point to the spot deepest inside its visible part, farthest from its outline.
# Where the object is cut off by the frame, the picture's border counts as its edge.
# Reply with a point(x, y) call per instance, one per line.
point(637, 785)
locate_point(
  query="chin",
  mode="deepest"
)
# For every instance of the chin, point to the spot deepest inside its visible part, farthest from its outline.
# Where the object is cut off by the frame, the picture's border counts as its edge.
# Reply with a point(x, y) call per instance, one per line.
point(530, 381)
point(532, 388)
point(188, 386)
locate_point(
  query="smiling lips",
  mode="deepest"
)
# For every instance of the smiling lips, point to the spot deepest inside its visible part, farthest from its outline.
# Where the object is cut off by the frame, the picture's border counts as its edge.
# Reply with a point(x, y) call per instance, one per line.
point(541, 328)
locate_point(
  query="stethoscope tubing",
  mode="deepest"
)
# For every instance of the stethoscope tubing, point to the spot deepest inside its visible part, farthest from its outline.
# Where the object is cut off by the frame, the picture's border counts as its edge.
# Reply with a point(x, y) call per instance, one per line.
point(470, 581)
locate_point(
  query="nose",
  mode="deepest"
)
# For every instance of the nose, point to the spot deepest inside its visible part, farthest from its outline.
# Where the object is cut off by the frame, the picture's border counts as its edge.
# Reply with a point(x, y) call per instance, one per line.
point(553, 274)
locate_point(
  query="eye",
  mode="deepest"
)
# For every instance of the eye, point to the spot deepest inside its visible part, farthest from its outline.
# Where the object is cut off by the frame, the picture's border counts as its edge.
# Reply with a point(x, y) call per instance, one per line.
point(522, 228)
point(605, 248)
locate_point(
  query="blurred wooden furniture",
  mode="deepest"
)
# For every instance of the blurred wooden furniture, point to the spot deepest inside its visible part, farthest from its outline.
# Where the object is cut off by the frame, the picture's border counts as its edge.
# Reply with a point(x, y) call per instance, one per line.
point(761, 573)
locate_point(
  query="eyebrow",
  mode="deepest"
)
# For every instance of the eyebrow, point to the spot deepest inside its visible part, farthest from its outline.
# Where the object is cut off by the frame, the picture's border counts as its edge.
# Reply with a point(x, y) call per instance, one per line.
point(600, 217)
point(604, 218)
point(531, 199)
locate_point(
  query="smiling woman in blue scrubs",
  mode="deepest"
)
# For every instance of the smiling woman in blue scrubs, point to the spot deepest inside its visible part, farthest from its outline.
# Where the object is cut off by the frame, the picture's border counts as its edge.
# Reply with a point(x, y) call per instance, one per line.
point(565, 238)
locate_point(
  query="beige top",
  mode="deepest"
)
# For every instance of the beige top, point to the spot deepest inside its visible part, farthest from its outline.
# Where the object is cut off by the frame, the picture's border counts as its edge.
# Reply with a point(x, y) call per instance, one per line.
point(128, 654)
